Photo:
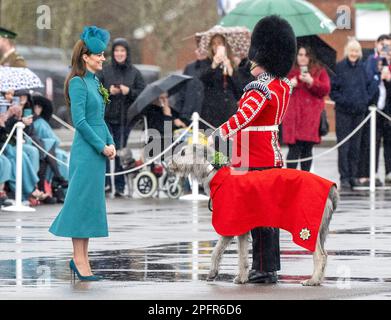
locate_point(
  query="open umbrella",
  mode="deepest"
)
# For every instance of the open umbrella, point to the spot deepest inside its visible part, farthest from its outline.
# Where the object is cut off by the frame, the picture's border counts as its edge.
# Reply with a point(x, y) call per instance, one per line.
point(304, 17)
point(238, 38)
point(325, 54)
point(18, 79)
point(170, 84)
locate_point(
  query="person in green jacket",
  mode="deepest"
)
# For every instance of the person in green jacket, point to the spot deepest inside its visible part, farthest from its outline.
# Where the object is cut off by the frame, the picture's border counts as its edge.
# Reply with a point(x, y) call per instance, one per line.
point(83, 215)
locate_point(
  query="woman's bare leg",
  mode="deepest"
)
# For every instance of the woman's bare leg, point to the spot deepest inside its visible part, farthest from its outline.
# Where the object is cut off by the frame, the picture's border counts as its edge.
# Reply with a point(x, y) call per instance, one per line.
point(85, 248)
point(79, 256)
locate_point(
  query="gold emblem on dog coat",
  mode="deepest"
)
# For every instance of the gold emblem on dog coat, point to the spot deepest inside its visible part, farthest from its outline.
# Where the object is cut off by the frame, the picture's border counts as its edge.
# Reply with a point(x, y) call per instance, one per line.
point(305, 234)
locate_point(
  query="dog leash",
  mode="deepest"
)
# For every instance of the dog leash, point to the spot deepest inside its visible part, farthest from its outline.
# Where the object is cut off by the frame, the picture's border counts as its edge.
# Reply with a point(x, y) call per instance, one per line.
point(210, 205)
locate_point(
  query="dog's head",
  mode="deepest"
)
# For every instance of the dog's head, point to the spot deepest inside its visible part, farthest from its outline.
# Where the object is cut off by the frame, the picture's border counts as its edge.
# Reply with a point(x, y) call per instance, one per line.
point(192, 159)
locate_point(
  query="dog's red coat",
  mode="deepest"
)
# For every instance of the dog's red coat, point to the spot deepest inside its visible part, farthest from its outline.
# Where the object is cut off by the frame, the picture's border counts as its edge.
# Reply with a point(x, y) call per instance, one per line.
point(288, 199)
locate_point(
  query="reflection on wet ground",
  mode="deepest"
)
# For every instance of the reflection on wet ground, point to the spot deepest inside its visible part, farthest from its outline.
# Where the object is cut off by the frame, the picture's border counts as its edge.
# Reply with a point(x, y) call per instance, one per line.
point(176, 262)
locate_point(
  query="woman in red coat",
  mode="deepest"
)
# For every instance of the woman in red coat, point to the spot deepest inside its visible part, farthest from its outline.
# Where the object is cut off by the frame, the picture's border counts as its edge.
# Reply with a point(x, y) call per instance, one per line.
point(302, 120)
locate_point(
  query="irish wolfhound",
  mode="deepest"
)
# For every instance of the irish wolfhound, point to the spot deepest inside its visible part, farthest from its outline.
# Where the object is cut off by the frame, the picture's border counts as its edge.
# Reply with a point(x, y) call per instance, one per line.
point(193, 160)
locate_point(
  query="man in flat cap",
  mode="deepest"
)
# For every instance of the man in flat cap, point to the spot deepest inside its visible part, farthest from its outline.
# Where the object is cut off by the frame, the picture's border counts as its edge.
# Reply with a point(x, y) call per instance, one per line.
point(8, 55)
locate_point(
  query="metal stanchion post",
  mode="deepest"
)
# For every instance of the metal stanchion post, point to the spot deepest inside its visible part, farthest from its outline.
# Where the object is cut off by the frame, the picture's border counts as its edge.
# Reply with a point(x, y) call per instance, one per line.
point(372, 143)
point(194, 188)
point(19, 207)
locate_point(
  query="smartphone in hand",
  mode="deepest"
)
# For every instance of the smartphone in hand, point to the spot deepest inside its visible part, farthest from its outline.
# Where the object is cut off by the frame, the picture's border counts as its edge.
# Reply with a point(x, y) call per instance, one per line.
point(303, 70)
point(221, 51)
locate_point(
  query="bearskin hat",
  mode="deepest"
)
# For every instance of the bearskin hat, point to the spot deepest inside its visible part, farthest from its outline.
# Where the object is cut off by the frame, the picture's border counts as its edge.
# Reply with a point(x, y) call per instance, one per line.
point(273, 45)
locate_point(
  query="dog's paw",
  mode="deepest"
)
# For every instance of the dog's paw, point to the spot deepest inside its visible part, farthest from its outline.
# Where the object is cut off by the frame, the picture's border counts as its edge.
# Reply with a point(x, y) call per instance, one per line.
point(311, 283)
point(212, 276)
point(241, 279)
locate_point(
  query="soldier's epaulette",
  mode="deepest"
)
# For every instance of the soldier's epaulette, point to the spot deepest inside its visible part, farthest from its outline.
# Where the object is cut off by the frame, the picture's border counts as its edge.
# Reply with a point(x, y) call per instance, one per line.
point(260, 86)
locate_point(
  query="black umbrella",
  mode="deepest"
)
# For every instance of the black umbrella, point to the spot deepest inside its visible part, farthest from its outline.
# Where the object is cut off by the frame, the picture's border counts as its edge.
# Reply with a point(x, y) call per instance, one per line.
point(170, 84)
point(325, 54)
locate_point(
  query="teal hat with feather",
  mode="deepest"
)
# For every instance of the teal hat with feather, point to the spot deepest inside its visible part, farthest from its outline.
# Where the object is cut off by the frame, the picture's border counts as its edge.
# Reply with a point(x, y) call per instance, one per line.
point(96, 39)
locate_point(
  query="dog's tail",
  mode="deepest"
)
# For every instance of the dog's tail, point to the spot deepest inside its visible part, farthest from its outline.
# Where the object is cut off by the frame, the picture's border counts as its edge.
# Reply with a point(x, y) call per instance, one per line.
point(331, 206)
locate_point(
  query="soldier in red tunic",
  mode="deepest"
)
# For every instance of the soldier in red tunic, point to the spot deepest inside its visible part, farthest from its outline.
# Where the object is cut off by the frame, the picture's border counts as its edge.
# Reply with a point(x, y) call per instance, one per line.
point(254, 127)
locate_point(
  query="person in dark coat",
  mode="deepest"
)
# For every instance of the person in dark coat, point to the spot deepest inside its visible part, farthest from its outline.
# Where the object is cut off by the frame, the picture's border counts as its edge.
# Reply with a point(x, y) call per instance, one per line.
point(191, 97)
point(161, 122)
point(378, 72)
point(302, 119)
point(349, 90)
point(220, 82)
point(124, 82)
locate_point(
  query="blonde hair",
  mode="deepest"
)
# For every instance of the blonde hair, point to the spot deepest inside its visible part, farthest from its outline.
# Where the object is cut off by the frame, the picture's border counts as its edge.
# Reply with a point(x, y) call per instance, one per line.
point(352, 44)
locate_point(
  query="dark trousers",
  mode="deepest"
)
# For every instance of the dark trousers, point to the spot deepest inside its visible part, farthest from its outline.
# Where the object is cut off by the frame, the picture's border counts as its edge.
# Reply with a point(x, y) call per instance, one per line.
point(120, 135)
point(348, 153)
point(300, 150)
point(266, 247)
point(383, 132)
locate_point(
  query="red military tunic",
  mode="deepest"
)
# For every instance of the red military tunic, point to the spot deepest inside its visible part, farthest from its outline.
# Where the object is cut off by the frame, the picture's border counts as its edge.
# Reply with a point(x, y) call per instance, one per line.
point(254, 127)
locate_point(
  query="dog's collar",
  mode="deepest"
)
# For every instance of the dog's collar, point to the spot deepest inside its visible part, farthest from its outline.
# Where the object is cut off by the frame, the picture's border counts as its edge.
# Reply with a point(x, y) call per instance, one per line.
point(210, 169)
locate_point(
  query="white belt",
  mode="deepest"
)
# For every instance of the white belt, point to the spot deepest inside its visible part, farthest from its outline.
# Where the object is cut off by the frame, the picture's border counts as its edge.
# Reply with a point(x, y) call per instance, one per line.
point(262, 128)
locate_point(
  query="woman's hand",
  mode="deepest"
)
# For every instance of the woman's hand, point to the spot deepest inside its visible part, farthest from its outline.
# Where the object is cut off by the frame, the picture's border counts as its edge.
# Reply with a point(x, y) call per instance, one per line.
point(110, 152)
point(294, 82)
point(179, 123)
point(114, 90)
point(164, 102)
point(3, 119)
point(124, 89)
point(227, 63)
point(307, 78)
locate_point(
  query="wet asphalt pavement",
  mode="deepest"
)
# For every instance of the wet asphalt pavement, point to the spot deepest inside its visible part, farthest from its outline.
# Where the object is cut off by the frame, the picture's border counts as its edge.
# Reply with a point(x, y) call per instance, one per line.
point(161, 248)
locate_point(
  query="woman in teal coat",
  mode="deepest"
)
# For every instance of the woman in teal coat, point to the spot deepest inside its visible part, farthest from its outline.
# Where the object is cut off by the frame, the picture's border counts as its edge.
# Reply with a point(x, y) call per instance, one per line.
point(83, 215)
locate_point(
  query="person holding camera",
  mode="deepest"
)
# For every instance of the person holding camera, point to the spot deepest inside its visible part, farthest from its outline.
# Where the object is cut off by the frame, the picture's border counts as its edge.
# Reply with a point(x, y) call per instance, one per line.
point(124, 82)
point(350, 91)
point(221, 91)
point(301, 123)
point(379, 74)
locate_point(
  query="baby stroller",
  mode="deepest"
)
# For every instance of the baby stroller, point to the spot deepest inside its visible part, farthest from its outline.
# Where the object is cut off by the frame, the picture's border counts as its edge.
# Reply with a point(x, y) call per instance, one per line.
point(153, 178)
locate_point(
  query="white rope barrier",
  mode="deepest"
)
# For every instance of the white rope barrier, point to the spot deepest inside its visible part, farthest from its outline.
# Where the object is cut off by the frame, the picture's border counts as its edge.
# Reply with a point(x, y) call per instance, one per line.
point(207, 123)
point(62, 122)
point(44, 151)
point(8, 139)
point(335, 147)
point(384, 114)
point(156, 157)
point(121, 172)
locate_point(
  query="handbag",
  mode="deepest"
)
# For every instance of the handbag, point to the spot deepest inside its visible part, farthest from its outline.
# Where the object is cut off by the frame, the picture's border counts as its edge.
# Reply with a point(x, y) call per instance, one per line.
point(324, 125)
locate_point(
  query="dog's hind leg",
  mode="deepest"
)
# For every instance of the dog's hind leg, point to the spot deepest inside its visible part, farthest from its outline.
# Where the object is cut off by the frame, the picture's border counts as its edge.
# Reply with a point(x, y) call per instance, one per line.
point(320, 254)
point(320, 260)
point(242, 277)
point(217, 255)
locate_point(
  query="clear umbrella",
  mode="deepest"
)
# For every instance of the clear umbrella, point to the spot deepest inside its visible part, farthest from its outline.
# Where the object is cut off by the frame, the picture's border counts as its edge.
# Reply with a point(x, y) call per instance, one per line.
point(18, 79)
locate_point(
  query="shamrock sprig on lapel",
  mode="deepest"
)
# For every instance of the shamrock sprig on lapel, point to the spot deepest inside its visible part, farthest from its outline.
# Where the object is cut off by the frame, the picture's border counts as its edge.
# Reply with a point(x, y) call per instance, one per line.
point(219, 160)
point(105, 93)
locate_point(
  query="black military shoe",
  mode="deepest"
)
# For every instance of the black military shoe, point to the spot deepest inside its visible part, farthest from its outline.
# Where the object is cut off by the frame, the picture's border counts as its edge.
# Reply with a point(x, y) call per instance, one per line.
point(255, 276)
